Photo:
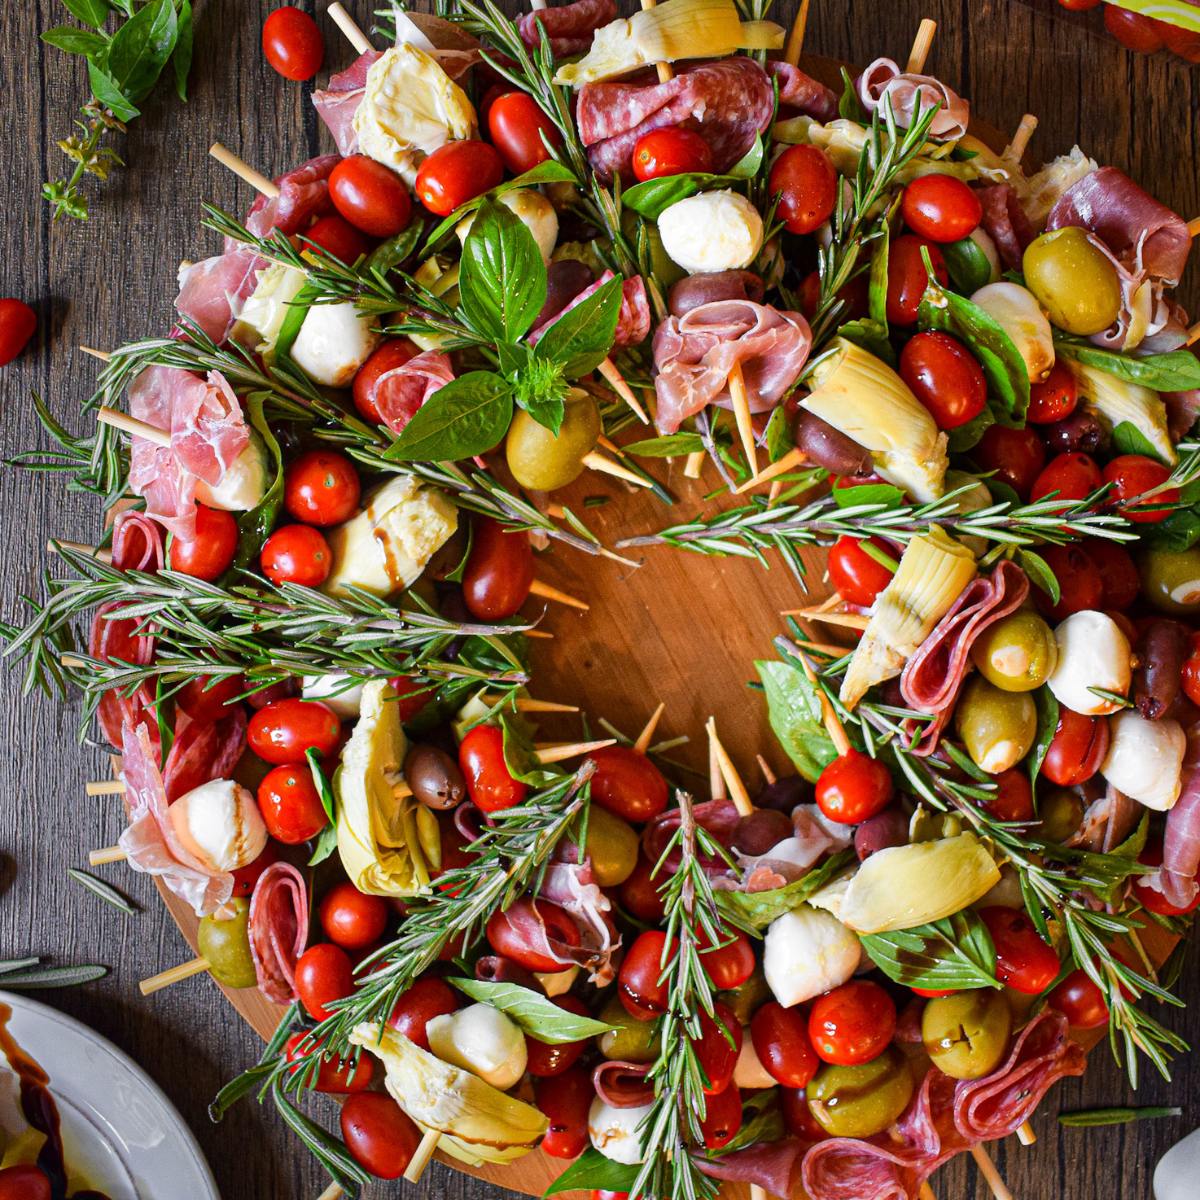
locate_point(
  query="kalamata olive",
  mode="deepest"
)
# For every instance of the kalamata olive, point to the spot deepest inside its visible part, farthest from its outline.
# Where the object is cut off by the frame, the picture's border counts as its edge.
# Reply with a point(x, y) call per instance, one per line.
point(1080, 433)
point(996, 727)
point(435, 778)
point(859, 1102)
point(1073, 280)
point(888, 828)
point(827, 447)
point(565, 279)
point(1171, 580)
point(967, 1034)
point(1016, 653)
point(1161, 652)
point(543, 461)
point(761, 831)
point(226, 945)
point(695, 290)
point(785, 793)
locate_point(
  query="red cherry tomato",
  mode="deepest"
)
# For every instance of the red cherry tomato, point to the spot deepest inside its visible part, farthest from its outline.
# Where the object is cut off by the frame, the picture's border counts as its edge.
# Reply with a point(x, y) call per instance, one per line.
point(297, 554)
point(718, 1047)
point(935, 993)
point(781, 1041)
point(323, 974)
point(1142, 35)
point(352, 919)
point(293, 44)
point(489, 784)
point(545, 1060)
point(730, 962)
point(565, 1100)
point(1133, 475)
point(389, 357)
point(1078, 578)
point(1080, 1001)
point(1013, 798)
point(807, 186)
point(370, 196)
point(639, 893)
point(290, 804)
point(244, 878)
point(1191, 672)
point(335, 1076)
point(1023, 961)
point(335, 235)
point(1077, 748)
point(208, 700)
point(671, 151)
point(797, 1116)
point(628, 784)
point(907, 277)
point(518, 125)
point(1151, 898)
point(1080, 5)
point(322, 488)
point(722, 1118)
point(940, 208)
point(412, 696)
point(426, 999)
point(638, 982)
point(210, 553)
point(1118, 572)
point(507, 934)
point(499, 571)
point(24, 1182)
point(853, 788)
point(852, 1024)
point(17, 325)
point(945, 377)
point(1071, 476)
point(379, 1134)
point(1014, 456)
point(284, 731)
point(857, 576)
point(455, 173)
point(1054, 399)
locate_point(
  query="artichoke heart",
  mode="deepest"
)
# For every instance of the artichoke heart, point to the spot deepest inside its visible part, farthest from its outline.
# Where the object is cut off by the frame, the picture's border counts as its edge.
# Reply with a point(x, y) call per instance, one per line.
point(1117, 402)
point(378, 825)
point(862, 397)
point(905, 886)
point(674, 30)
point(478, 1124)
point(933, 571)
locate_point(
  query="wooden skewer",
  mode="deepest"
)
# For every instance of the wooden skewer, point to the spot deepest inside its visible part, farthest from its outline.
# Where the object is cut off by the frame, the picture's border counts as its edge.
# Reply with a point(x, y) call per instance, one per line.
point(741, 414)
point(789, 462)
point(598, 462)
point(833, 726)
point(647, 735)
point(1015, 150)
point(197, 966)
point(243, 170)
point(921, 47)
point(1193, 334)
point(616, 381)
point(795, 40)
point(69, 660)
point(1026, 1135)
point(56, 544)
point(355, 36)
point(987, 1169)
point(846, 620)
point(716, 781)
point(773, 494)
point(333, 1192)
point(758, 1192)
point(733, 781)
point(765, 768)
point(695, 461)
point(529, 704)
point(665, 71)
point(539, 633)
point(105, 787)
point(553, 753)
point(128, 424)
point(110, 854)
point(1194, 227)
point(926, 1193)
point(538, 588)
point(102, 355)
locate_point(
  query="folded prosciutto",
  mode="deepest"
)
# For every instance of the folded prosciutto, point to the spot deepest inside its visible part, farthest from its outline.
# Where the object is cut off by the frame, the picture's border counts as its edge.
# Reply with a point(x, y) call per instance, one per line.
point(695, 354)
point(278, 930)
point(338, 101)
point(911, 95)
point(573, 887)
point(1177, 879)
point(400, 392)
point(569, 27)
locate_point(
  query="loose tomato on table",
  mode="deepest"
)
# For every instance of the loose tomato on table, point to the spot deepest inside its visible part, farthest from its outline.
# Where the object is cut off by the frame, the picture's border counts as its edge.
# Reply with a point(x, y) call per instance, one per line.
point(335, 1076)
point(1055, 398)
point(722, 1118)
point(455, 173)
point(489, 784)
point(18, 323)
point(210, 553)
point(1141, 34)
point(296, 554)
point(730, 962)
point(293, 44)
point(416, 1007)
point(335, 235)
point(546, 1060)
point(908, 278)
point(565, 1101)
point(781, 1041)
point(291, 805)
point(1131, 477)
point(322, 487)
point(509, 934)
point(323, 974)
point(1079, 581)
point(1014, 456)
point(628, 784)
point(804, 180)
point(852, 1024)
point(351, 919)
point(370, 196)
point(1068, 476)
point(853, 788)
point(284, 731)
point(940, 208)
point(390, 356)
point(1080, 1001)
point(1023, 961)
point(945, 376)
point(1077, 748)
point(24, 1182)
point(520, 131)
point(1120, 581)
point(1013, 798)
point(499, 570)
point(670, 151)
point(858, 576)
point(379, 1134)
point(639, 984)
point(718, 1047)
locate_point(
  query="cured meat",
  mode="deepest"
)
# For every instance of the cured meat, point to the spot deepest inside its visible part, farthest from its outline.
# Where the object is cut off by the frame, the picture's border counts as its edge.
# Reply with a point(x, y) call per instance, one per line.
point(338, 101)
point(569, 27)
point(815, 836)
point(573, 887)
point(213, 292)
point(1107, 822)
point(728, 102)
point(633, 320)
point(623, 1084)
point(694, 355)
point(400, 392)
point(1182, 410)
point(692, 291)
point(1005, 221)
point(804, 93)
point(303, 197)
point(150, 842)
point(910, 95)
point(278, 930)
point(773, 1166)
point(203, 751)
point(1176, 879)
point(718, 817)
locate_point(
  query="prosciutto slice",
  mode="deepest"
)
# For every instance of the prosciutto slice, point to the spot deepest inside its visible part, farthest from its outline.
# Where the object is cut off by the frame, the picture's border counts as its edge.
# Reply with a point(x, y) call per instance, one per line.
point(213, 292)
point(633, 320)
point(1177, 877)
point(1005, 221)
point(400, 392)
point(694, 355)
point(815, 836)
point(278, 930)
point(728, 103)
point(203, 751)
point(803, 93)
point(910, 95)
point(773, 1166)
point(569, 27)
point(338, 101)
point(150, 842)
point(303, 197)
point(572, 886)
point(623, 1084)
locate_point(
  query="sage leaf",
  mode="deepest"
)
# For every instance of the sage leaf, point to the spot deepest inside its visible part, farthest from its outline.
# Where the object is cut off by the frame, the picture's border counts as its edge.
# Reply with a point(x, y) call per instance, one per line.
point(754, 911)
point(1090, 1118)
point(580, 339)
point(502, 283)
point(52, 977)
point(955, 952)
point(537, 1015)
point(796, 717)
point(467, 416)
point(105, 891)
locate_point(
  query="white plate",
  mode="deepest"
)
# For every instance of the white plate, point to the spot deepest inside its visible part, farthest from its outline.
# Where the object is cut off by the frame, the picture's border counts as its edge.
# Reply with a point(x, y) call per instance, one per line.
point(118, 1127)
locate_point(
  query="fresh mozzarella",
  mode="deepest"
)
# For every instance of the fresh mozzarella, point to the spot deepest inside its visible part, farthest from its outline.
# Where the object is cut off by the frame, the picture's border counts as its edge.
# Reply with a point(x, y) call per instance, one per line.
point(332, 691)
point(482, 1040)
point(334, 341)
point(263, 315)
point(1145, 759)
point(616, 1132)
point(533, 210)
point(714, 231)
point(1016, 310)
point(219, 825)
point(1093, 653)
point(243, 485)
point(808, 952)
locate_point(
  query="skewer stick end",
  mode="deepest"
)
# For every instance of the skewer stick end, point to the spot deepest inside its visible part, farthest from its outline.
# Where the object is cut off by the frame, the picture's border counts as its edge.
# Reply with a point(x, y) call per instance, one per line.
point(647, 735)
point(420, 1160)
point(110, 854)
point(197, 966)
point(922, 44)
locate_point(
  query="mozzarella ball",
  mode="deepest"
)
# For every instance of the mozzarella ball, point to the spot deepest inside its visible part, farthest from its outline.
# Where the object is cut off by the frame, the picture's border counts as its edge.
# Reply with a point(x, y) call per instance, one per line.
point(332, 691)
point(334, 341)
point(1093, 652)
point(219, 825)
point(1145, 758)
point(533, 210)
point(807, 952)
point(615, 1131)
point(714, 231)
point(243, 485)
point(749, 1072)
point(482, 1040)
point(1016, 310)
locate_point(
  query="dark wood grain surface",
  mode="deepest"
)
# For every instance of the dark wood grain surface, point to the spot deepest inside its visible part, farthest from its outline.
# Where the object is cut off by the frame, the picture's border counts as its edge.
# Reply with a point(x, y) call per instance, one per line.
point(113, 279)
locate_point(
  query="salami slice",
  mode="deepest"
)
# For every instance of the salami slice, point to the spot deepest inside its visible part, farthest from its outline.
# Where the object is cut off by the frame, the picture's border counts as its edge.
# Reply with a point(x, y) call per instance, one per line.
point(569, 27)
point(772, 1166)
point(623, 1084)
point(203, 751)
point(1005, 221)
point(278, 930)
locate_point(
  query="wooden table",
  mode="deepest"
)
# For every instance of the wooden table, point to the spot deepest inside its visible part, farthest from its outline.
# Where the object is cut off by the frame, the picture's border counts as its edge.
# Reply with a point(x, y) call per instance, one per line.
point(113, 280)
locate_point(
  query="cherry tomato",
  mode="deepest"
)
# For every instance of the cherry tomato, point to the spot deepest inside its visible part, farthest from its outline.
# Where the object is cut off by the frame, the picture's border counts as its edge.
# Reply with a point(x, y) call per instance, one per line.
point(1077, 748)
point(351, 919)
point(284, 731)
point(412, 696)
point(1054, 399)
point(722, 1118)
point(24, 1182)
point(1142, 35)
point(18, 323)
point(518, 126)
point(335, 235)
point(1078, 578)
point(797, 1116)
point(599, 1194)
point(1071, 476)
point(853, 296)
point(1013, 798)
point(1014, 456)
point(370, 196)
point(392, 355)
point(455, 173)
point(546, 1060)
point(1191, 672)
point(907, 277)
point(940, 208)
point(1184, 42)
point(857, 576)
point(426, 999)
point(207, 699)
point(210, 553)
point(499, 571)
point(852, 1024)
point(730, 962)
point(293, 44)
point(297, 554)
point(244, 878)
point(945, 377)
point(628, 784)
point(507, 934)
point(639, 893)
point(1080, 5)
point(323, 974)
point(718, 1047)
point(566, 1100)
point(322, 488)
point(638, 982)
point(1023, 961)
point(1080, 1001)
point(853, 788)
point(335, 1076)
point(1119, 577)
point(1132, 476)
point(489, 784)
point(379, 1134)
point(291, 805)
point(1151, 898)
point(670, 151)
point(807, 186)
point(781, 1041)
point(935, 993)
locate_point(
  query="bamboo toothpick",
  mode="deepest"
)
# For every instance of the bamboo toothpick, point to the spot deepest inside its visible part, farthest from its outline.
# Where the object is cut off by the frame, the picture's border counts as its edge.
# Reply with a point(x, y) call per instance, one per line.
point(54, 545)
point(694, 463)
point(765, 768)
point(420, 1160)
point(647, 735)
point(1026, 1135)
point(333, 1192)
point(758, 1192)
point(349, 27)
point(1193, 334)
point(926, 1193)
point(105, 787)
point(547, 592)
point(164, 979)
point(1194, 227)
point(552, 752)
point(131, 425)
point(987, 1169)
point(110, 854)
point(102, 355)
point(795, 40)
point(733, 781)
point(597, 462)
point(1015, 150)
point(846, 620)
point(833, 726)
point(539, 633)
point(741, 414)
point(665, 72)
point(921, 47)
point(789, 462)
point(616, 381)
point(243, 170)
point(716, 781)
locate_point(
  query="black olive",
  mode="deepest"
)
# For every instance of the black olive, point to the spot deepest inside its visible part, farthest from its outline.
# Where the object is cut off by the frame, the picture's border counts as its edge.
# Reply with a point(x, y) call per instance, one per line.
point(434, 777)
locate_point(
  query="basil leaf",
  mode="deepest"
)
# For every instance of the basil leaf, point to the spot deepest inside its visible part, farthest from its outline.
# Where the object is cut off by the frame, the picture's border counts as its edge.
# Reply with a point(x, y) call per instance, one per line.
point(580, 339)
point(868, 493)
point(750, 163)
point(970, 269)
point(181, 60)
point(140, 48)
point(547, 411)
point(652, 197)
point(667, 446)
point(108, 92)
point(536, 1014)
point(1129, 439)
point(756, 910)
point(75, 41)
point(90, 12)
point(326, 842)
point(1047, 723)
point(1181, 529)
point(520, 757)
point(467, 416)
point(297, 313)
point(255, 525)
point(502, 283)
point(1038, 570)
point(1129, 850)
point(956, 952)
point(594, 1171)
point(1175, 371)
point(795, 714)
point(394, 251)
point(849, 105)
point(779, 434)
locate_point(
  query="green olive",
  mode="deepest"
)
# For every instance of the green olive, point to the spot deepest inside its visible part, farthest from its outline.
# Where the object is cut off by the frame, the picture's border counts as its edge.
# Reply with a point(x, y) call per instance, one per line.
point(612, 845)
point(543, 461)
point(997, 727)
point(861, 1101)
point(746, 1000)
point(1061, 813)
point(226, 946)
point(1073, 281)
point(1171, 580)
point(631, 1041)
point(1018, 653)
point(967, 1034)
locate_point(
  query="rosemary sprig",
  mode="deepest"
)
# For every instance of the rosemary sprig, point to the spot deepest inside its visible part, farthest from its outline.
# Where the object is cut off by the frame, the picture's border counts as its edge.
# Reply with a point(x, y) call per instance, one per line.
point(1090, 1118)
point(105, 891)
